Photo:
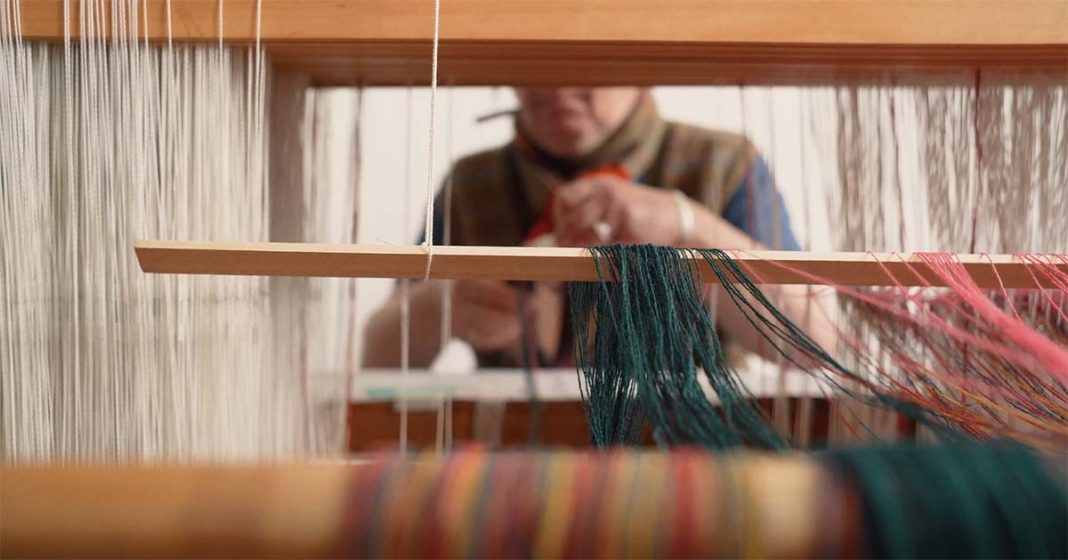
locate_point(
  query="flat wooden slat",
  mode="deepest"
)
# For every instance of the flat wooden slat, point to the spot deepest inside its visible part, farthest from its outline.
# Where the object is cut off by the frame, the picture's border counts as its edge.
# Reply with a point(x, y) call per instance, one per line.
point(587, 42)
point(551, 264)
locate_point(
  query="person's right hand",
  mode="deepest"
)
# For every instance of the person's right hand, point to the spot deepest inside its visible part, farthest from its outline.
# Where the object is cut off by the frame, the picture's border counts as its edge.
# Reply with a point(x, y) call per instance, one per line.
point(485, 313)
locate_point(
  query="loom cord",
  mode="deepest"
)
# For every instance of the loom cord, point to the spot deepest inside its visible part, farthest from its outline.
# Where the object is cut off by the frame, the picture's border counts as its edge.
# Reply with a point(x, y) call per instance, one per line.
point(428, 225)
point(530, 350)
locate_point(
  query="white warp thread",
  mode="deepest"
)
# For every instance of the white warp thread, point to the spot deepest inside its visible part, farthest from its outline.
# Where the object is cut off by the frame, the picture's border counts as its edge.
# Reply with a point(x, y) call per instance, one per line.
point(428, 230)
point(105, 141)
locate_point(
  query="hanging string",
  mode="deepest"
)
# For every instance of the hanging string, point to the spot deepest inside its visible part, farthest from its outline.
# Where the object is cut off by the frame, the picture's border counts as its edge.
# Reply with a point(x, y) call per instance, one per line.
point(221, 20)
point(446, 212)
point(803, 418)
point(446, 297)
point(405, 284)
point(979, 163)
point(170, 35)
point(428, 230)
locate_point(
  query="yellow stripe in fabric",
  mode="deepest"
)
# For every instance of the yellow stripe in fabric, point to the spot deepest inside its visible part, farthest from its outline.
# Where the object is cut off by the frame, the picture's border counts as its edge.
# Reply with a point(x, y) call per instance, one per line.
point(789, 528)
point(461, 500)
point(556, 511)
point(643, 515)
point(710, 507)
point(621, 475)
point(753, 533)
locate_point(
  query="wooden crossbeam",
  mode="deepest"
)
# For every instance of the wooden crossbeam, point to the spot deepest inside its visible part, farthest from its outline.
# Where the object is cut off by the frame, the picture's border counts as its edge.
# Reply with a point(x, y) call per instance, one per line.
point(276, 510)
point(615, 42)
point(556, 264)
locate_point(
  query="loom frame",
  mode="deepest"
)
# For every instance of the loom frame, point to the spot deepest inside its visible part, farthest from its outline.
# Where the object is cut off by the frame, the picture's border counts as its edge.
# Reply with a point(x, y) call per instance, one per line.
point(606, 42)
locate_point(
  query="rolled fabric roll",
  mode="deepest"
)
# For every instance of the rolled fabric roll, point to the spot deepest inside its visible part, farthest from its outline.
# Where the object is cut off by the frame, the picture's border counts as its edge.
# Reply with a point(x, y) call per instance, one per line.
point(962, 500)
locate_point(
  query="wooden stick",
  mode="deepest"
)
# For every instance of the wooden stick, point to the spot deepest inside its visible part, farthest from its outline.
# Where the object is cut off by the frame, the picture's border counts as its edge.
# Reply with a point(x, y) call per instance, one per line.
point(552, 264)
point(611, 42)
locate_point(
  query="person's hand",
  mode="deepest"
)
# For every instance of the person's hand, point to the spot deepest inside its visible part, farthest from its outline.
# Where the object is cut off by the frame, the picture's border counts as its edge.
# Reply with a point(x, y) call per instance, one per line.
point(603, 209)
point(485, 313)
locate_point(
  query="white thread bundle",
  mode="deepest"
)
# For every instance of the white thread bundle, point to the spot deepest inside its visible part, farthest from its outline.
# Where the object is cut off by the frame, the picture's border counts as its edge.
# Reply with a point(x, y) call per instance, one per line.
point(428, 223)
point(976, 163)
point(105, 141)
point(314, 171)
point(907, 165)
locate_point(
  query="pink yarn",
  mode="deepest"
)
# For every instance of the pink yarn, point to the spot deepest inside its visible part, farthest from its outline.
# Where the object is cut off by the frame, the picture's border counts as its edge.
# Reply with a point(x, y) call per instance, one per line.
point(1053, 358)
point(986, 343)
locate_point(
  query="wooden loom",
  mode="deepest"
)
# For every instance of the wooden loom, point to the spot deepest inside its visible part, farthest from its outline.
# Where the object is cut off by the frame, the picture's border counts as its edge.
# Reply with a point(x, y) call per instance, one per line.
point(760, 42)
point(365, 42)
point(590, 42)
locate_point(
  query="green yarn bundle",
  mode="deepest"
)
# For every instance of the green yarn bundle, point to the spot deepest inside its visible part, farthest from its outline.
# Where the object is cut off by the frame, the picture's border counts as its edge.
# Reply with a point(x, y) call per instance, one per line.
point(970, 500)
point(643, 334)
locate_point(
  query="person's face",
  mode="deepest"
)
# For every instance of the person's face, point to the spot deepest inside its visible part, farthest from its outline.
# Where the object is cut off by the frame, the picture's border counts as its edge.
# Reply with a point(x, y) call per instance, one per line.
point(572, 122)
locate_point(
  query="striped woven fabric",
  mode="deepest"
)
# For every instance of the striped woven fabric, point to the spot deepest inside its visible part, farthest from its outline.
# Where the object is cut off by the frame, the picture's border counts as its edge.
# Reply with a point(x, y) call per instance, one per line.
point(871, 502)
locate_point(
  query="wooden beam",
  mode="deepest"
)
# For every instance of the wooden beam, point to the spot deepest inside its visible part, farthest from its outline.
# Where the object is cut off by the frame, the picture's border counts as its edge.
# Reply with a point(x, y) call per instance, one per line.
point(320, 510)
point(171, 511)
point(590, 42)
point(553, 264)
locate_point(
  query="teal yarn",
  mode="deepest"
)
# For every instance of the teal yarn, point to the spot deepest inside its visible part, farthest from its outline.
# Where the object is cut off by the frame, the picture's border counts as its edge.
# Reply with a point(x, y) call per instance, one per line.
point(641, 335)
point(791, 341)
point(642, 332)
point(957, 500)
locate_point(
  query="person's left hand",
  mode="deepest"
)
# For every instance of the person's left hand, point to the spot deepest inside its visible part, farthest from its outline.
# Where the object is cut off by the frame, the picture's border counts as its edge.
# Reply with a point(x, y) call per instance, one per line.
point(627, 212)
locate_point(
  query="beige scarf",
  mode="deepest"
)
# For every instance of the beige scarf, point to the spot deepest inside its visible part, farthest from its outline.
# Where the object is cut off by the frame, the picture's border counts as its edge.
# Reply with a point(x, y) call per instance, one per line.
point(634, 147)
